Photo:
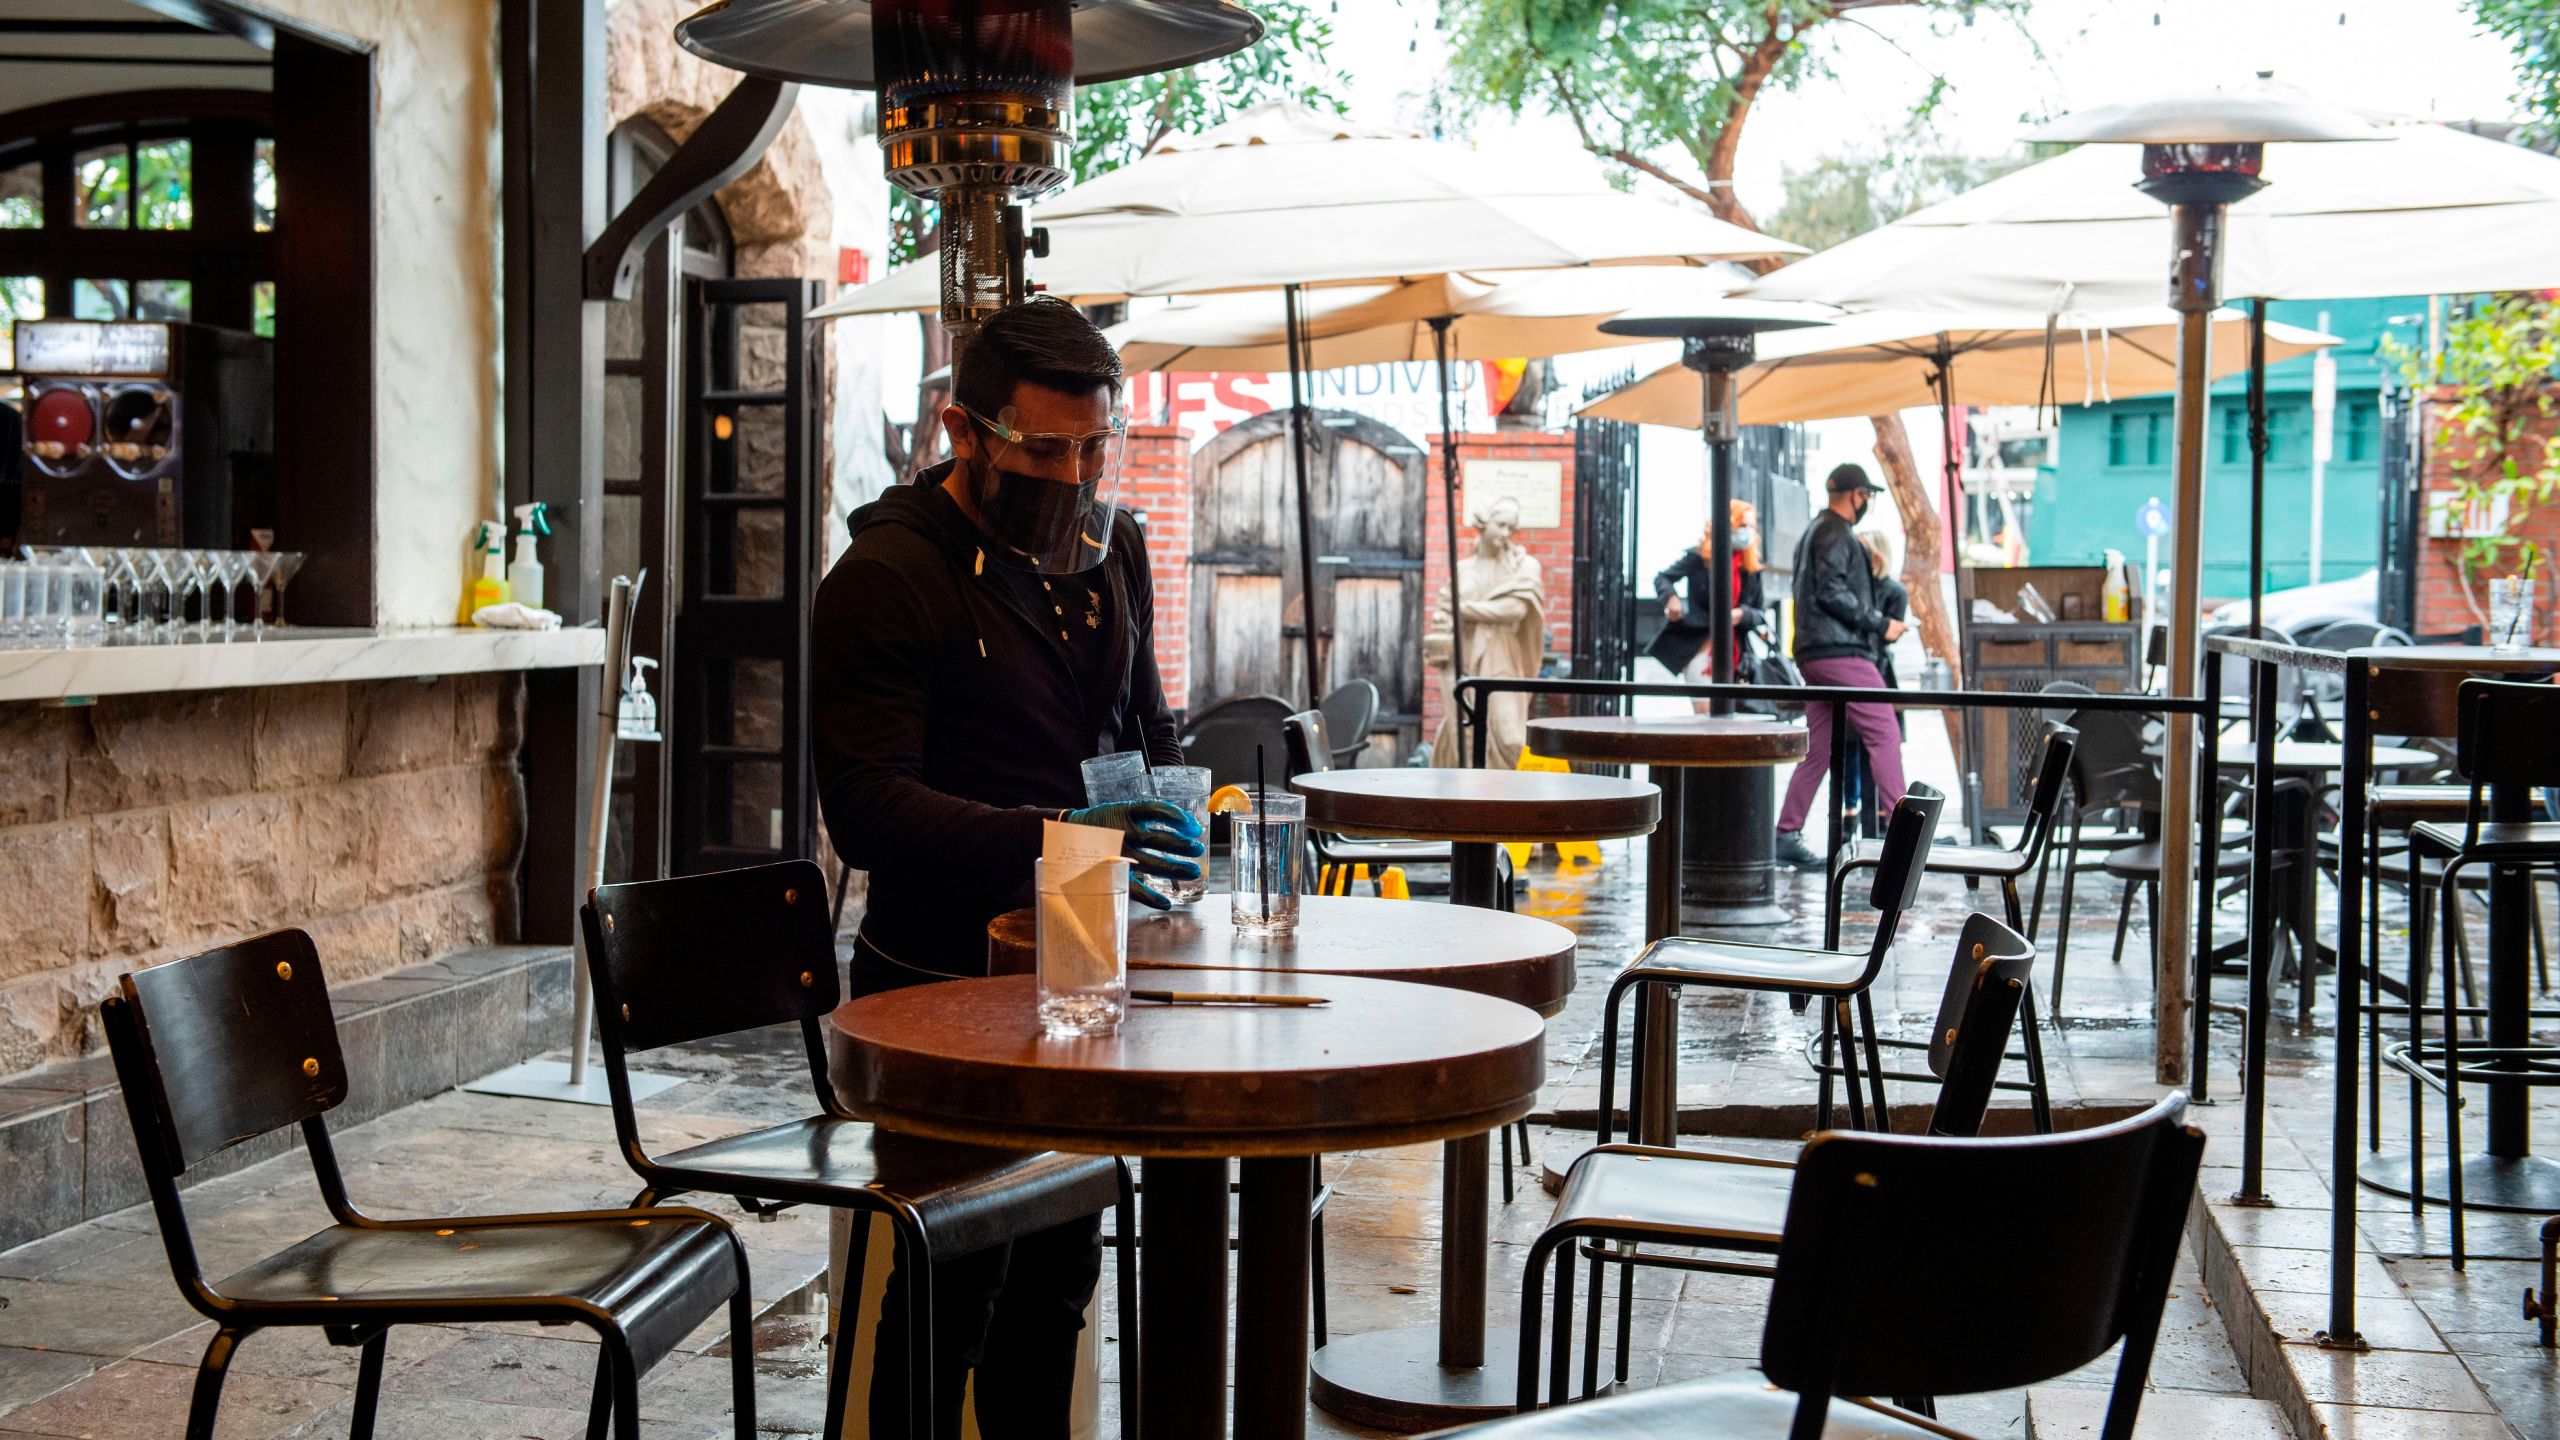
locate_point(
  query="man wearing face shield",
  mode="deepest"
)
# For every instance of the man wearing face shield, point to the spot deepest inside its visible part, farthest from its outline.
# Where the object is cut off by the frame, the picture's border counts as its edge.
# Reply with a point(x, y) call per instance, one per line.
point(1840, 630)
point(991, 627)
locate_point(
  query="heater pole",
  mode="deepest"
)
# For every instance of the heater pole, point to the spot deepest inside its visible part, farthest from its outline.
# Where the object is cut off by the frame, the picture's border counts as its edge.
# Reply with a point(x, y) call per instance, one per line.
point(1449, 515)
point(2195, 231)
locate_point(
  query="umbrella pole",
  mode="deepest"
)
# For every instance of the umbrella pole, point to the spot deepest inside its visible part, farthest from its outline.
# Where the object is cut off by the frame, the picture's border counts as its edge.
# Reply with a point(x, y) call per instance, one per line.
point(2257, 465)
point(1449, 515)
point(1306, 512)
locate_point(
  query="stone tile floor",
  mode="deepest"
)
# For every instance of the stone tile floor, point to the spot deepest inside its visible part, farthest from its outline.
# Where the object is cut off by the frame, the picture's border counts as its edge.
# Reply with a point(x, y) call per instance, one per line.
point(94, 1341)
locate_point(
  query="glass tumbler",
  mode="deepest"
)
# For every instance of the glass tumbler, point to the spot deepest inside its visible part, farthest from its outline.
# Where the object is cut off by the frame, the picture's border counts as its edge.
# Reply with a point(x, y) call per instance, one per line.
point(1082, 936)
point(83, 606)
point(2511, 613)
point(1187, 787)
point(1267, 843)
point(1115, 777)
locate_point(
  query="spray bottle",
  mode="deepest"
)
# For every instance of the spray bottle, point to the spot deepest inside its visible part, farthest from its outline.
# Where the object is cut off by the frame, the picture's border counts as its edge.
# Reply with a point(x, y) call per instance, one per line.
point(2115, 596)
point(525, 576)
point(491, 588)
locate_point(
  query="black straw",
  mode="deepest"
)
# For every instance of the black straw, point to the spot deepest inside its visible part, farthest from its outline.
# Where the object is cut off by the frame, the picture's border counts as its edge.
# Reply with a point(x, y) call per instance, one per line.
point(1262, 818)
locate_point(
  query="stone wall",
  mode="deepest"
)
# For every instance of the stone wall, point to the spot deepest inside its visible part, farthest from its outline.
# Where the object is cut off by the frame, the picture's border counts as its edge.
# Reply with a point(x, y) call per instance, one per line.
point(384, 816)
point(2448, 602)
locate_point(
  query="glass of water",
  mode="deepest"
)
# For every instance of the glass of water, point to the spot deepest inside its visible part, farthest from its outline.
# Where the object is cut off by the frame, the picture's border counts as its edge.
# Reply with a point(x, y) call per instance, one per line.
point(1083, 939)
point(1267, 845)
point(1115, 777)
point(1187, 788)
point(2511, 613)
point(13, 603)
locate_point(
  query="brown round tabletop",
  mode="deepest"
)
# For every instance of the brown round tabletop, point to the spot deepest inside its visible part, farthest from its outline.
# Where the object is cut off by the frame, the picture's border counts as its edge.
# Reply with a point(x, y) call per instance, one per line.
point(1518, 958)
point(1481, 806)
point(1684, 740)
point(966, 1060)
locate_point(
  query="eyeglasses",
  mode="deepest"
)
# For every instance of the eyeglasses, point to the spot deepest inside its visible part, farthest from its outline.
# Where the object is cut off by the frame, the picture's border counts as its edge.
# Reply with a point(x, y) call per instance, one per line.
point(1049, 450)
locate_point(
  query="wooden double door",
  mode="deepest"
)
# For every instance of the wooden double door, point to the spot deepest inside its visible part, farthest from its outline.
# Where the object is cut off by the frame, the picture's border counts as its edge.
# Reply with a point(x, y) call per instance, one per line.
point(1249, 608)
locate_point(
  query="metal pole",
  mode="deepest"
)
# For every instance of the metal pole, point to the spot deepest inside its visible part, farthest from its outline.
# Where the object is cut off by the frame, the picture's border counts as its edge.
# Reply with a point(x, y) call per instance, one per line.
point(2208, 869)
point(1720, 437)
point(2257, 468)
point(1306, 511)
point(2195, 232)
point(2268, 811)
point(617, 659)
point(2352, 959)
point(1449, 495)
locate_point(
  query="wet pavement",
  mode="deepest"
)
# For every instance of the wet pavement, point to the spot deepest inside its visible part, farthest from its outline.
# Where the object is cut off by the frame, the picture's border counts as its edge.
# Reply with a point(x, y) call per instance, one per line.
point(94, 1341)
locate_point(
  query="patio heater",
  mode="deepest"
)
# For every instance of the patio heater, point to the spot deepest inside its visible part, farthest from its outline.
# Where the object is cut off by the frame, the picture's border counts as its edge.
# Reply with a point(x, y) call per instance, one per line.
point(975, 99)
point(2201, 153)
point(1737, 862)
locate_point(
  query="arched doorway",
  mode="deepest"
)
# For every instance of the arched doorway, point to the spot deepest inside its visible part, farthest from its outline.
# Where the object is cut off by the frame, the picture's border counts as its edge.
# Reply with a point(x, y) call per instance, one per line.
point(1247, 613)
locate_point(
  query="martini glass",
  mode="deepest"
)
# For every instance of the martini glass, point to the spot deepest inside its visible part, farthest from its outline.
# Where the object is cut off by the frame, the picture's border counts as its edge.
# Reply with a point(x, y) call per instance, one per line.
point(232, 567)
point(117, 609)
point(189, 604)
point(288, 565)
point(151, 596)
point(262, 571)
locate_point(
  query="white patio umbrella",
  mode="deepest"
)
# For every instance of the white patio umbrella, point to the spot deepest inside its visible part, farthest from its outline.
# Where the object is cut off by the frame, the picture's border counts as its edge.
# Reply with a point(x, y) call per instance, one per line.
point(1870, 364)
point(2425, 210)
point(1282, 197)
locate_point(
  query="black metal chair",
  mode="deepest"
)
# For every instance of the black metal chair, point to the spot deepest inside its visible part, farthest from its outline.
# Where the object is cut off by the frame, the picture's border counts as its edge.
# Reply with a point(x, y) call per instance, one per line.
point(683, 960)
point(1906, 1272)
point(1840, 979)
point(1350, 711)
point(2505, 740)
point(2006, 864)
point(224, 1047)
point(1631, 1195)
point(1306, 743)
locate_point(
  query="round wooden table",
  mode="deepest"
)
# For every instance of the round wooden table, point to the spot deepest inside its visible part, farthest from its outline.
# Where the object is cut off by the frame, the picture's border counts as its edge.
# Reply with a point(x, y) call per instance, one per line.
point(1517, 958)
point(1424, 1378)
point(1385, 1379)
point(1188, 1087)
point(1745, 892)
point(1476, 810)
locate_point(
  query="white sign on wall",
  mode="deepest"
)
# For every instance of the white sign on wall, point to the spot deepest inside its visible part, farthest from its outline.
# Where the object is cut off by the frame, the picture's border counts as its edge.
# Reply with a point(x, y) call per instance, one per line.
point(1536, 486)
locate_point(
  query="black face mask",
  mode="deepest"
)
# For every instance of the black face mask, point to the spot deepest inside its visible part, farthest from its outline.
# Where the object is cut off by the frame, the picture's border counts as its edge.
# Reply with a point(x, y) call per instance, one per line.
point(1860, 504)
point(1037, 522)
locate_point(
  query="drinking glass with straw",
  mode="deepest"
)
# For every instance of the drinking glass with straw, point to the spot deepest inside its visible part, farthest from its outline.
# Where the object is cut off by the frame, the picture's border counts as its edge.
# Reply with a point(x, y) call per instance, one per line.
point(1269, 870)
point(2511, 605)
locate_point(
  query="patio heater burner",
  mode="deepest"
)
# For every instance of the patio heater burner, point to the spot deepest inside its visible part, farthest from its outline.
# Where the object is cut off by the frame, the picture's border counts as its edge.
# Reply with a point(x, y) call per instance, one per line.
point(975, 98)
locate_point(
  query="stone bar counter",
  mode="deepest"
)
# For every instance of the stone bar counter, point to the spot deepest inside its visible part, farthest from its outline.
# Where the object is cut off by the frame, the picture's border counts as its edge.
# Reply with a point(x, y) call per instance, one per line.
point(287, 656)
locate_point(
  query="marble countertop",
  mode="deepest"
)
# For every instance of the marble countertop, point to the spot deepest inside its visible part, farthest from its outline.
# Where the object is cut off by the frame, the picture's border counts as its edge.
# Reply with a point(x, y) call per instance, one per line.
point(295, 656)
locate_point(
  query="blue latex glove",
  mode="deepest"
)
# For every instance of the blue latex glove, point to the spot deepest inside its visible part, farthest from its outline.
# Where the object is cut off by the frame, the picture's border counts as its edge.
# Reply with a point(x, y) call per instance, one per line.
point(1159, 836)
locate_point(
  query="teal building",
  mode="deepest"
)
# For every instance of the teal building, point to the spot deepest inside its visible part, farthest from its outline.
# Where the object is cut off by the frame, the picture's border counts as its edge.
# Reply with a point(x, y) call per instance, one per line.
point(2112, 458)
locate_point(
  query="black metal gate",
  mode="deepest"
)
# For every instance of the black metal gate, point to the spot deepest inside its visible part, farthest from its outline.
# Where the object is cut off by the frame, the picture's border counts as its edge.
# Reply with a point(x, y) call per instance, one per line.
point(739, 748)
point(2402, 510)
point(1604, 561)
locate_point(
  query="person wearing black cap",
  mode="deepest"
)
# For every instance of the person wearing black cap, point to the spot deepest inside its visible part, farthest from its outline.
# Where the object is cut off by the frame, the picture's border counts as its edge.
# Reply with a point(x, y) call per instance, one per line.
point(1841, 627)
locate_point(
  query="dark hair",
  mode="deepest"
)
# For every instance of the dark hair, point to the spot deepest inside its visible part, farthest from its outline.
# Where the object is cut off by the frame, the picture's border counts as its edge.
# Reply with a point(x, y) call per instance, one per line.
point(1041, 341)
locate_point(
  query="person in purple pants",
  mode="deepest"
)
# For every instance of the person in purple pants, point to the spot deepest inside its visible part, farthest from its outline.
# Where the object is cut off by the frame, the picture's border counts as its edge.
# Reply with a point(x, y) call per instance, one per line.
point(1841, 628)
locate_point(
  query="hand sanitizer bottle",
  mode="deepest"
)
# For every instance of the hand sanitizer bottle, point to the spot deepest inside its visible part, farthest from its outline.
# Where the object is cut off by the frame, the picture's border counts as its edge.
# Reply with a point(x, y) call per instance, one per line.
point(525, 576)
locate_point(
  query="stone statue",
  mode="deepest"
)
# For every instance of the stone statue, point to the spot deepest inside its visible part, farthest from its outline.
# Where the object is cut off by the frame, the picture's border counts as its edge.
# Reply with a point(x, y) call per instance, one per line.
point(1503, 601)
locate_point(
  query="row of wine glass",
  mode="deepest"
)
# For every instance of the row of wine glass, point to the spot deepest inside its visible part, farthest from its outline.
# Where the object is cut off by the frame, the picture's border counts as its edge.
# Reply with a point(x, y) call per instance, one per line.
point(107, 594)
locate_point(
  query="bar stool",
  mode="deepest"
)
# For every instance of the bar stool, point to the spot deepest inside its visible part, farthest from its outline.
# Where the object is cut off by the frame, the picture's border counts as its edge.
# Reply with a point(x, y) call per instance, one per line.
point(224, 1047)
point(1630, 1195)
point(1840, 979)
point(1977, 863)
point(683, 960)
point(2504, 740)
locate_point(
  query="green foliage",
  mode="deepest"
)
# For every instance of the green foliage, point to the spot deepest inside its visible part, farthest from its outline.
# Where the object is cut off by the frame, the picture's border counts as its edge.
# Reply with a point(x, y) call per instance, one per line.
point(1117, 122)
point(2494, 376)
point(1840, 197)
point(2531, 29)
point(1636, 76)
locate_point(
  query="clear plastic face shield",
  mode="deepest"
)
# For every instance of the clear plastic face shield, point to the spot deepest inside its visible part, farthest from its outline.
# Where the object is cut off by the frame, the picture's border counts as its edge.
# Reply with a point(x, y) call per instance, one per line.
point(1047, 498)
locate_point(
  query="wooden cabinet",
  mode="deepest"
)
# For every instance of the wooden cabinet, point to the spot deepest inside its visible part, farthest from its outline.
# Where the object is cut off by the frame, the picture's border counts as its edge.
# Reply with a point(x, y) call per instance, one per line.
point(1999, 744)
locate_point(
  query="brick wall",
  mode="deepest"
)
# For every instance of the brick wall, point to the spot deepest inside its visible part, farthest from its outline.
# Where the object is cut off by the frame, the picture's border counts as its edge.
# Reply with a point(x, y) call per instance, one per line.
point(2442, 608)
point(385, 817)
point(1553, 548)
point(1155, 481)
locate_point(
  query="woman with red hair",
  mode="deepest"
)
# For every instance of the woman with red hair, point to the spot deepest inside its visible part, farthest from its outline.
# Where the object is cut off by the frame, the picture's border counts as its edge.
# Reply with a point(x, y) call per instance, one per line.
point(1682, 645)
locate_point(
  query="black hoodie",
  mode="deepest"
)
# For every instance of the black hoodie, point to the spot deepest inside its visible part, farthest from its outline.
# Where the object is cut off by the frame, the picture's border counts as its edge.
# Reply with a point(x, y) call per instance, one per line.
point(946, 723)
